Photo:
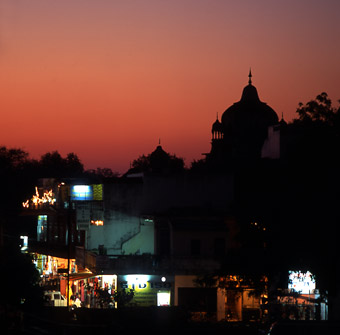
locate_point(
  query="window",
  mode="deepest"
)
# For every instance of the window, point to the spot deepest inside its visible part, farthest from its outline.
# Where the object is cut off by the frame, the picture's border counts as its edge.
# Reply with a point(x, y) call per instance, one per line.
point(56, 296)
point(42, 228)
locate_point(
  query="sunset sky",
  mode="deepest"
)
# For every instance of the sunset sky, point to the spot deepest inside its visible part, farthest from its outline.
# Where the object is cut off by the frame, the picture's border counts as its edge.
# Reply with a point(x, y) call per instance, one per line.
point(106, 79)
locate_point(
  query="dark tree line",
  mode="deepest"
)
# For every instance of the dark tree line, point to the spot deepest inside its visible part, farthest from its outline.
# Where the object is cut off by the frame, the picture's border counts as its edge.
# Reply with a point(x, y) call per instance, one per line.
point(19, 173)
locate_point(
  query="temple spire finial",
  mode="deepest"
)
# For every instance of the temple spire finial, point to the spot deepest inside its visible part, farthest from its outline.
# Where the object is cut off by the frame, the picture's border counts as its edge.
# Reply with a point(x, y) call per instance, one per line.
point(249, 76)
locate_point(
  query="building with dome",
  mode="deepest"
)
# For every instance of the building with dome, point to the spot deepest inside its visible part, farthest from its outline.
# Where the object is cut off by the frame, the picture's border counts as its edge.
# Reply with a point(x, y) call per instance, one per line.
point(165, 229)
point(243, 128)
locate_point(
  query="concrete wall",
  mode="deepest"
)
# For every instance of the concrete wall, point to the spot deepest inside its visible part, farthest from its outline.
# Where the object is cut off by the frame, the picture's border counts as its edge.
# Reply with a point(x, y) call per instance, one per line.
point(188, 281)
point(117, 229)
point(271, 146)
point(128, 201)
point(122, 232)
point(142, 242)
point(183, 281)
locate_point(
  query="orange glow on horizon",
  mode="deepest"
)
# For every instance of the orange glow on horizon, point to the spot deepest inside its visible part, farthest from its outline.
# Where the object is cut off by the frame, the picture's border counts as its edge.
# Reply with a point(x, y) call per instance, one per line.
point(107, 80)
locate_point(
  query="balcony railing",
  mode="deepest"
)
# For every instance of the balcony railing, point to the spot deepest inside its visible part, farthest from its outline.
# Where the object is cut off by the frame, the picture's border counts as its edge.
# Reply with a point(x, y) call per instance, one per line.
point(153, 264)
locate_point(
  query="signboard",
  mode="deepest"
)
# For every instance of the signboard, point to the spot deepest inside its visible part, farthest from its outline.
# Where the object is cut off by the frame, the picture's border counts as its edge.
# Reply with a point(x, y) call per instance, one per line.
point(302, 282)
point(81, 192)
point(149, 290)
point(87, 192)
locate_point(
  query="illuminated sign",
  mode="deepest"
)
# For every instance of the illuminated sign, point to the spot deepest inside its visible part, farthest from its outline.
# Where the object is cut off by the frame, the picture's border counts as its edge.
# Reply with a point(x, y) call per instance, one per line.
point(149, 290)
point(302, 282)
point(81, 192)
point(97, 191)
point(163, 299)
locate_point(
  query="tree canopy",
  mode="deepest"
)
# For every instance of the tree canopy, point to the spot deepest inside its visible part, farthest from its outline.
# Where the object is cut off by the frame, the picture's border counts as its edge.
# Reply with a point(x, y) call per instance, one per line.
point(158, 161)
point(315, 133)
point(20, 279)
point(19, 174)
point(319, 110)
point(52, 164)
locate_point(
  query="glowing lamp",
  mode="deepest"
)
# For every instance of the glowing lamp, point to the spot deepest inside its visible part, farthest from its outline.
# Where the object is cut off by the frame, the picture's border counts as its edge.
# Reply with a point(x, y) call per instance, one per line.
point(97, 222)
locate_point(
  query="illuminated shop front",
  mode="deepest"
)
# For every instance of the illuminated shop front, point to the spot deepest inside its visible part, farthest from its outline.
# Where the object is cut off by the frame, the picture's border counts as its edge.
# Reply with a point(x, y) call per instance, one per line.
point(302, 282)
point(149, 290)
point(302, 301)
point(89, 288)
point(51, 265)
point(53, 271)
point(84, 285)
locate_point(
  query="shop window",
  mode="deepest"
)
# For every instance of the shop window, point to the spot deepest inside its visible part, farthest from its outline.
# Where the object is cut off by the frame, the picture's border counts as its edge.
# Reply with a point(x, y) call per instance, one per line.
point(163, 299)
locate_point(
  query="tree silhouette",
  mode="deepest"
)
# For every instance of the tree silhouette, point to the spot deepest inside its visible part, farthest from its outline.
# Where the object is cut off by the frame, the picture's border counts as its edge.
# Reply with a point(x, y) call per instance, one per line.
point(52, 164)
point(315, 134)
point(101, 173)
point(159, 161)
point(123, 297)
point(20, 279)
point(319, 110)
point(310, 188)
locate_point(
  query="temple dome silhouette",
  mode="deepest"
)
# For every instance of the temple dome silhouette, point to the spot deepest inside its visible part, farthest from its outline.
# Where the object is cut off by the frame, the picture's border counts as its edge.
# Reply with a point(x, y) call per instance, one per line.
point(250, 111)
point(244, 126)
point(159, 159)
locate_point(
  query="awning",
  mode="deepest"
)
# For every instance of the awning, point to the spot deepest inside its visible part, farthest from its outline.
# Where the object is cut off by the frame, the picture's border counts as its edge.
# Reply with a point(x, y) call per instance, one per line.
point(81, 275)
